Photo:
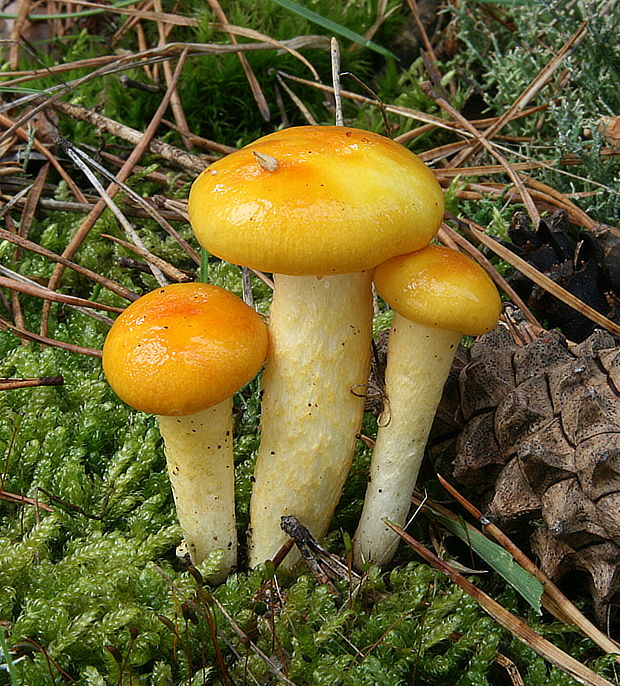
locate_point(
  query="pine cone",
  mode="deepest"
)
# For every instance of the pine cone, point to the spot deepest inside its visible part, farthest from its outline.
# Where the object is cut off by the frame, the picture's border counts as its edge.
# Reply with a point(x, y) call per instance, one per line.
point(538, 438)
point(586, 265)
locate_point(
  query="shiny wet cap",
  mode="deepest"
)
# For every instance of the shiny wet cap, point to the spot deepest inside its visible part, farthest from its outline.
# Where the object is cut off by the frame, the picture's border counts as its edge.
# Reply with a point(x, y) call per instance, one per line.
point(183, 348)
point(316, 200)
point(440, 287)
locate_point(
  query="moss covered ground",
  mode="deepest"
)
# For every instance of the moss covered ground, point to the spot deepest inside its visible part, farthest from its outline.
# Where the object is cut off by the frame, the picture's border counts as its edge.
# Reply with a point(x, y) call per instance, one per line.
point(91, 589)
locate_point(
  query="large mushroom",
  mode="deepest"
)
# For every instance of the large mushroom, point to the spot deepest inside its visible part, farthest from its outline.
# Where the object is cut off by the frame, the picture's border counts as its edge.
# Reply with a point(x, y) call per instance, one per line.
point(318, 206)
point(181, 352)
point(438, 295)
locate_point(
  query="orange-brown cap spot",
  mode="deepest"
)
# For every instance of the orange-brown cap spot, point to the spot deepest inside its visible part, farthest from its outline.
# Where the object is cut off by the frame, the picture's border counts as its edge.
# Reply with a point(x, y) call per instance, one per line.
point(442, 288)
point(338, 200)
point(183, 348)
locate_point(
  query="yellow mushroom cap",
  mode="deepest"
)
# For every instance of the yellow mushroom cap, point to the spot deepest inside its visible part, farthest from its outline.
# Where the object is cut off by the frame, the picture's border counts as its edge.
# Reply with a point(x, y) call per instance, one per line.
point(316, 200)
point(441, 288)
point(183, 348)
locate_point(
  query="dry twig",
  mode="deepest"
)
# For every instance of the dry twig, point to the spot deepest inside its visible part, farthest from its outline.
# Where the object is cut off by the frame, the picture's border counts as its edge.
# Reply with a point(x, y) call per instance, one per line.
point(553, 599)
point(123, 174)
point(518, 628)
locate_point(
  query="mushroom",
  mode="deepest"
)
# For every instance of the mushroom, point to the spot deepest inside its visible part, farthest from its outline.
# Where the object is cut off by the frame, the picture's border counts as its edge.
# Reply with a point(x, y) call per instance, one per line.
point(438, 294)
point(318, 206)
point(180, 352)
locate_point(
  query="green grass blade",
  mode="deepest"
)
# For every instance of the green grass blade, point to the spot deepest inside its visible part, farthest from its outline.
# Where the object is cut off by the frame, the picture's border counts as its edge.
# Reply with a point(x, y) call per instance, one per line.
point(204, 266)
point(333, 27)
point(68, 15)
point(8, 663)
point(528, 586)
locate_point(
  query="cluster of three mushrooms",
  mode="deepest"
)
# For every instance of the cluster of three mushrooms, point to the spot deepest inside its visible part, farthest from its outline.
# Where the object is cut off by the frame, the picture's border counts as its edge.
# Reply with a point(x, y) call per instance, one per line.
point(319, 207)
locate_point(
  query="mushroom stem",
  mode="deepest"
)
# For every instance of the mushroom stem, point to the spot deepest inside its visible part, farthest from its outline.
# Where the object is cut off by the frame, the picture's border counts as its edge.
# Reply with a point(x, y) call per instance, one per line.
point(199, 456)
point(418, 363)
point(319, 352)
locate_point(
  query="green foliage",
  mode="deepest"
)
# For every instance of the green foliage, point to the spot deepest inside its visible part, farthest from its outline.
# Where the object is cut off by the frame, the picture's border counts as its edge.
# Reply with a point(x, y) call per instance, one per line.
point(217, 91)
point(96, 586)
point(93, 588)
point(530, 588)
point(503, 57)
point(7, 660)
point(332, 26)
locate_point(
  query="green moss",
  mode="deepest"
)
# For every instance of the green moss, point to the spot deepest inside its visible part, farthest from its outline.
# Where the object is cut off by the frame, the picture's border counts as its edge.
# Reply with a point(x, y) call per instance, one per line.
point(94, 586)
point(90, 580)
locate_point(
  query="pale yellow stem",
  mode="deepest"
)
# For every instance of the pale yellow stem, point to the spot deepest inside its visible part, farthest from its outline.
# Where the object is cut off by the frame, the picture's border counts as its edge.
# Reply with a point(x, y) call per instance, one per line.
point(312, 404)
point(199, 456)
point(419, 359)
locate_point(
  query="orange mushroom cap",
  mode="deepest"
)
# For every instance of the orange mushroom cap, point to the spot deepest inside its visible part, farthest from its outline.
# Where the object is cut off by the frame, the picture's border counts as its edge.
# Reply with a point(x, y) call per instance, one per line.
point(183, 348)
point(316, 200)
point(441, 288)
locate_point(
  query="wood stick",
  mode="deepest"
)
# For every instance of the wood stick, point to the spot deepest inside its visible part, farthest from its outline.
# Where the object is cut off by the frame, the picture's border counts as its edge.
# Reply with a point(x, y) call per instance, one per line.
point(123, 174)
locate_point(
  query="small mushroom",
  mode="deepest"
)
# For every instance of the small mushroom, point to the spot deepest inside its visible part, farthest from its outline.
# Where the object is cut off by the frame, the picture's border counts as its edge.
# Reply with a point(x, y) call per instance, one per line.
point(180, 352)
point(318, 206)
point(438, 294)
